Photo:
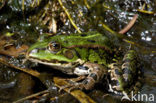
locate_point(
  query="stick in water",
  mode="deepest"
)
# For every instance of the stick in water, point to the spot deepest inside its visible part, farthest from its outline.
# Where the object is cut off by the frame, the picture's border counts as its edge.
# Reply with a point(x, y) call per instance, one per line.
point(129, 25)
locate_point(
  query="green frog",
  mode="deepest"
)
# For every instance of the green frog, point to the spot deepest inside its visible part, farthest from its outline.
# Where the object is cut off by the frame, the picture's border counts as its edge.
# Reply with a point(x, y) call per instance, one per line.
point(93, 55)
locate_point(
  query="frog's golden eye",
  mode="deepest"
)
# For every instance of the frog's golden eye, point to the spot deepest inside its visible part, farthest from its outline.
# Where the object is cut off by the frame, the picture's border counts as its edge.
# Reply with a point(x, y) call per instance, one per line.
point(69, 54)
point(54, 46)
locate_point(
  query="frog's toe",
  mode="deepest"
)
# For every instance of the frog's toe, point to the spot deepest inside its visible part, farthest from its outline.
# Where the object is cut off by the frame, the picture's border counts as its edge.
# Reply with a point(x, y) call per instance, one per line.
point(63, 87)
point(77, 86)
point(72, 87)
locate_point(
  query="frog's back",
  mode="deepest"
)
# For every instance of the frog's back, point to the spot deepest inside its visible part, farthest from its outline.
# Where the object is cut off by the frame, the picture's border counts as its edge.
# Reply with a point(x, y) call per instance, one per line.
point(87, 40)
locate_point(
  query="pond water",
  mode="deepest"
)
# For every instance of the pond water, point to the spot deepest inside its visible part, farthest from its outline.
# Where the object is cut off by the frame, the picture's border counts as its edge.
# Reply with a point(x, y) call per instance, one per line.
point(27, 22)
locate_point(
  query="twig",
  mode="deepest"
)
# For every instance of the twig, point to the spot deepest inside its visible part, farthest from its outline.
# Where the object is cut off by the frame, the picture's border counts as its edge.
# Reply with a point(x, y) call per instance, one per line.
point(54, 98)
point(144, 11)
point(3, 3)
point(70, 18)
point(129, 25)
point(26, 70)
point(31, 96)
point(104, 5)
point(85, 2)
point(107, 28)
point(78, 94)
point(23, 4)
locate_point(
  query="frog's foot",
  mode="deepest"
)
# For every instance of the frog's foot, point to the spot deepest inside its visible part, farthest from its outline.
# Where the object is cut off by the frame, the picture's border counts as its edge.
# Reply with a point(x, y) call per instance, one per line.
point(72, 82)
point(77, 83)
point(72, 86)
point(82, 77)
point(94, 72)
point(86, 83)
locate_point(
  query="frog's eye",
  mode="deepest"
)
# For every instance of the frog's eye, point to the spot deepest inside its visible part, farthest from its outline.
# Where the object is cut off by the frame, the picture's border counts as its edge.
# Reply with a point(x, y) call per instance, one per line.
point(69, 54)
point(54, 46)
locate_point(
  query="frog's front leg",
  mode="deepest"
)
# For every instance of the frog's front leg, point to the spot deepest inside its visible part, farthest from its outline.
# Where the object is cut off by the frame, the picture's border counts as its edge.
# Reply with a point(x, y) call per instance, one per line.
point(94, 73)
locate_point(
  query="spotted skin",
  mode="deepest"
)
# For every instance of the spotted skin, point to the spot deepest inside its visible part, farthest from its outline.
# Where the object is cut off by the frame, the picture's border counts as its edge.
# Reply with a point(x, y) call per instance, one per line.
point(94, 72)
point(123, 76)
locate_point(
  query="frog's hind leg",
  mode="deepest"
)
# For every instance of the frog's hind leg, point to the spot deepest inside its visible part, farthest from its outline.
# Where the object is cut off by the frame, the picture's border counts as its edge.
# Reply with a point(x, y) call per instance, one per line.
point(124, 76)
point(116, 81)
point(132, 71)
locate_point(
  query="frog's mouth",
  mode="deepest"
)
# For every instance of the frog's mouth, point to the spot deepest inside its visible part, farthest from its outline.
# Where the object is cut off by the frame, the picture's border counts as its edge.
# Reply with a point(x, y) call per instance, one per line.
point(64, 66)
point(54, 62)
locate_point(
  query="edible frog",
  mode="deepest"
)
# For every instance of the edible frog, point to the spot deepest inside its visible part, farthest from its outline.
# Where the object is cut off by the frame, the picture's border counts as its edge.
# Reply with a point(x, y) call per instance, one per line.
point(90, 54)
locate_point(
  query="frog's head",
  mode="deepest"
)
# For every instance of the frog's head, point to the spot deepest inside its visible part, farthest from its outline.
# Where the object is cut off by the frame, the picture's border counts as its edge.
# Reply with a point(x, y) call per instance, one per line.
point(62, 51)
point(52, 52)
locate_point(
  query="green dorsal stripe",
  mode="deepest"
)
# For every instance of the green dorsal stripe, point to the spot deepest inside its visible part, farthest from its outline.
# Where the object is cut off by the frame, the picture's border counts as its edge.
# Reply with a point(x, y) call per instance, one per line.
point(90, 46)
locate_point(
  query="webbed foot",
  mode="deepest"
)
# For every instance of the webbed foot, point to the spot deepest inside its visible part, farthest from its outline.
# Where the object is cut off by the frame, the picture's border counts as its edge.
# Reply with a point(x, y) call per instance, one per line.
point(95, 74)
point(72, 87)
point(72, 83)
